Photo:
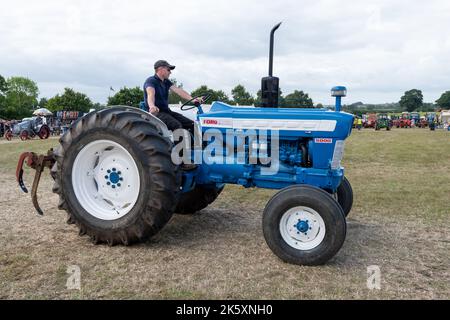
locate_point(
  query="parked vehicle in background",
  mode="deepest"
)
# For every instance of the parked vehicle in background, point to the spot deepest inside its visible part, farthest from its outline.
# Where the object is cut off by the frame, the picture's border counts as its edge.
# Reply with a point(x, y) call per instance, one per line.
point(383, 121)
point(445, 118)
point(423, 122)
point(28, 128)
point(371, 120)
point(415, 118)
point(432, 120)
point(404, 121)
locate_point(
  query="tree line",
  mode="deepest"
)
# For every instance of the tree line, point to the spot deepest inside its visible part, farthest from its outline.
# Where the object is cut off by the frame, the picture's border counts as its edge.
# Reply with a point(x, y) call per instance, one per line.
point(19, 97)
point(411, 100)
point(239, 96)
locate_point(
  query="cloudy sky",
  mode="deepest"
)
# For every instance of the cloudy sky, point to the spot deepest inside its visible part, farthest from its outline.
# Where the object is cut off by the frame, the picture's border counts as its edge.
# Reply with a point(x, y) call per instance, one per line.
point(378, 49)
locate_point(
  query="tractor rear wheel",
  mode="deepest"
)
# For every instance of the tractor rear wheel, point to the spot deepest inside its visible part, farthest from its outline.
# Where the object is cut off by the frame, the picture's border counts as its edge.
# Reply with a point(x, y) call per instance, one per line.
point(114, 176)
point(304, 225)
point(344, 196)
point(24, 135)
point(44, 132)
point(197, 199)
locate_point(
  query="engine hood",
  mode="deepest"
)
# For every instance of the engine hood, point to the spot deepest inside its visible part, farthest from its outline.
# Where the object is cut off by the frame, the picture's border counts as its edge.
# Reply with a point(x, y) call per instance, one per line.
point(288, 121)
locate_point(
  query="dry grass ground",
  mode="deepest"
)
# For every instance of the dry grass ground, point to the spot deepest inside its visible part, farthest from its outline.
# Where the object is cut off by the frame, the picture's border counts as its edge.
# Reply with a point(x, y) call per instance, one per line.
point(401, 181)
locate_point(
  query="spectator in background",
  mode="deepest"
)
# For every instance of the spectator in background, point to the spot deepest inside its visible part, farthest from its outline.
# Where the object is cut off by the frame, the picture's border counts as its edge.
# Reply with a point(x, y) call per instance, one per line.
point(359, 123)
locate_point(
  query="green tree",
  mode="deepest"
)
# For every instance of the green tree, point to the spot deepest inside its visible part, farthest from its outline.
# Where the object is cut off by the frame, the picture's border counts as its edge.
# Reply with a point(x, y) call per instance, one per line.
point(221, 96)
point(173, 97)
point(128, 97)
point(411, 100)
point(214, 95)
point(20, 98)
point(43, 103)
point(70, 100)
point(428, 107)
point(98, 106)
point(3, 86)
point(298, 99)
point(2, 94)
point(444, 101)
point(241, 96)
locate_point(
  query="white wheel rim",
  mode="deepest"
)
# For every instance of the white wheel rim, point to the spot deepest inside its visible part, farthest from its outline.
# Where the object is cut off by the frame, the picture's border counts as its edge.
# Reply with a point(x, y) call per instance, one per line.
point(302, 228)
point(105, 179)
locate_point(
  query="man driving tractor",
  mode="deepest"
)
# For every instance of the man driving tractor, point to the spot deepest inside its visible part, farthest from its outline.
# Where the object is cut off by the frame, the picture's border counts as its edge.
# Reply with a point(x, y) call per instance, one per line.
point(156, 97)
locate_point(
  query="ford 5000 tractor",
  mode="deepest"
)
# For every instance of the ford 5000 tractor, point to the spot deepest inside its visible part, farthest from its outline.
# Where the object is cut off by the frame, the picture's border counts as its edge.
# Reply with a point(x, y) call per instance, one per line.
point(119, 174)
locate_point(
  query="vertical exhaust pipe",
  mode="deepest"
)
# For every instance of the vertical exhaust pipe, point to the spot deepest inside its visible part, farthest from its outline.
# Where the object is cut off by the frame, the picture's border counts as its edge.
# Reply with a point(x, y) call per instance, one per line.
point(270, 84)
point(271, 48)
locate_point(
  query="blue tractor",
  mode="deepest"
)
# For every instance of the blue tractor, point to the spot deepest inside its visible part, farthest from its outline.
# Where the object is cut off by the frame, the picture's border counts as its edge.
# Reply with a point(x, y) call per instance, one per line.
point(119, 176)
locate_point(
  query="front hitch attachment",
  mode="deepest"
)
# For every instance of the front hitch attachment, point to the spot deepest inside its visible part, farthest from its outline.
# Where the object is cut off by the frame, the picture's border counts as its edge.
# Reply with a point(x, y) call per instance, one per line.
point(38, 163)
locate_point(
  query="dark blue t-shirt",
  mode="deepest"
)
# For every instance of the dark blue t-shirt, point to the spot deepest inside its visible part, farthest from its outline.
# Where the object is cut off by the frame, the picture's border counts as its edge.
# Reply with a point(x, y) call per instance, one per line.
point(161, 92)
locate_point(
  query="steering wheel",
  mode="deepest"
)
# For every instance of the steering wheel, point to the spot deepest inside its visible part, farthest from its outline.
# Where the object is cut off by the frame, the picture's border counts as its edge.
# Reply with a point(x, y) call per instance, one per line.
point(196, 104)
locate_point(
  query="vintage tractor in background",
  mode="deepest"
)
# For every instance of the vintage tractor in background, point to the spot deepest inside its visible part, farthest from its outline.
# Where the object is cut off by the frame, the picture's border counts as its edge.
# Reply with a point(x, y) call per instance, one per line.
point(432, 120)
point(371, 120)
point(423, 122)
point(28, 128)
point(383, 121)
point(116, 178)
point(415, 119)
point(405, 120)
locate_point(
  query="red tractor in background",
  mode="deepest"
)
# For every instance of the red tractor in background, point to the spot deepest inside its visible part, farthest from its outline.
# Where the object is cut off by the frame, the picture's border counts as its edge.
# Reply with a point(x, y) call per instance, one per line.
point(371, 120)
point(404, 121)
point(423, 122)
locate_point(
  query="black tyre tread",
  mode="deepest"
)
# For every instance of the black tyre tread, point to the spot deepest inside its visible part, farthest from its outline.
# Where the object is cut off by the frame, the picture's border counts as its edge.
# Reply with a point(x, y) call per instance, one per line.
point(197, 199)
point(154, 156)
point(345, 196)
point(314, 198)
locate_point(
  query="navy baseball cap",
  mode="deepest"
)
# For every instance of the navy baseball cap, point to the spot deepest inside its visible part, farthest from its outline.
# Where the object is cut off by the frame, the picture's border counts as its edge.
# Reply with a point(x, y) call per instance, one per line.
point(163, 63)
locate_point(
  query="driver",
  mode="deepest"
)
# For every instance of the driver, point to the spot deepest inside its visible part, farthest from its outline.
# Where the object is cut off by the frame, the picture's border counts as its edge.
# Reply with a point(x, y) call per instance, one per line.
point(156, 97)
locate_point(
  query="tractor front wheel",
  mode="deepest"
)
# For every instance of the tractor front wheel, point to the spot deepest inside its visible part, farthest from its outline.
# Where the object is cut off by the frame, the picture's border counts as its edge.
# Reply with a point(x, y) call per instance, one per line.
point(8, 135)
point(114, 176)
point(304, 225)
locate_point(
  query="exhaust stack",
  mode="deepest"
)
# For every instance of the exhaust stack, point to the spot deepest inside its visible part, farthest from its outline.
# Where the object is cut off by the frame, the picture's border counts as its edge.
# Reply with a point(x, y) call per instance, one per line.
point(270, 84)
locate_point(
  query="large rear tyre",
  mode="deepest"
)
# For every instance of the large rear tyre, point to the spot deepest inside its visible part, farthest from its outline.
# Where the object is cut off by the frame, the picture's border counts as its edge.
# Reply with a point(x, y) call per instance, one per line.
point(197, 199)
point(24, 135)
point(304, 225)
point(44, 132)
point(114, 176)
point(344, 196)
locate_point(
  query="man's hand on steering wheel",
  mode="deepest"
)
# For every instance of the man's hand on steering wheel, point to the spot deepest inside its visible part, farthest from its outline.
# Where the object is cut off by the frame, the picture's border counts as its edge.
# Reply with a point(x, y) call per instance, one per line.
point(196, 101)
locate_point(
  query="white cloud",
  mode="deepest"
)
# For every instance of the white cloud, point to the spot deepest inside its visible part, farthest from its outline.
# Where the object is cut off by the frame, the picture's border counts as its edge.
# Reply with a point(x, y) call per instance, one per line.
point(378, 49)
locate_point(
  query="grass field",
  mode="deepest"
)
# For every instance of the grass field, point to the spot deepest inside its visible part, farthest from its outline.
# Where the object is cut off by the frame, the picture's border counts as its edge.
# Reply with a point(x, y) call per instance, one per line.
point(399, 222)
